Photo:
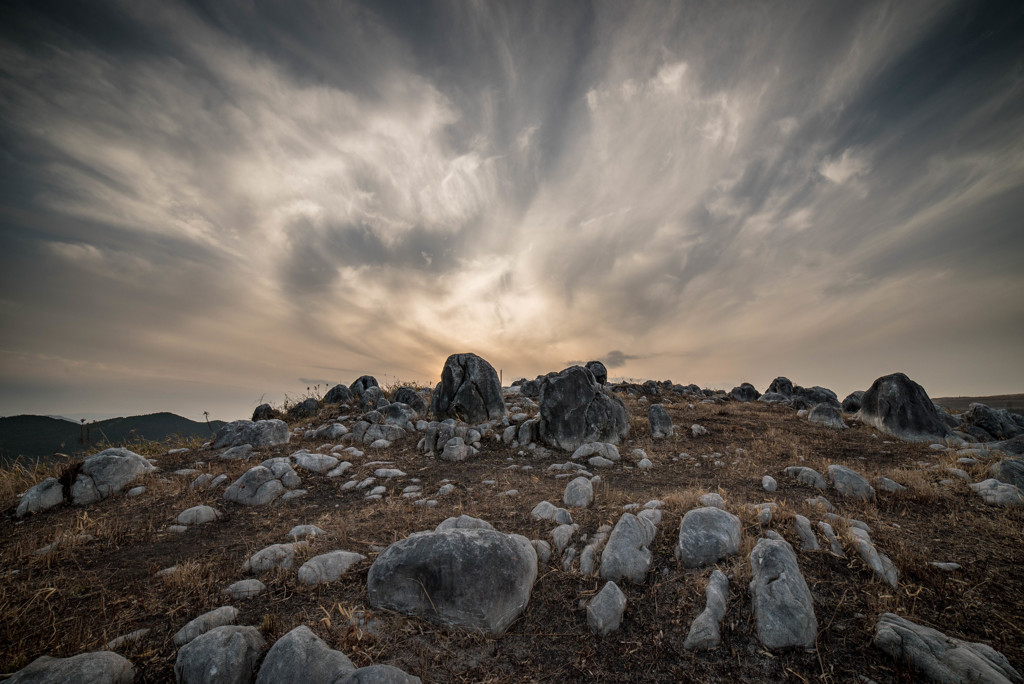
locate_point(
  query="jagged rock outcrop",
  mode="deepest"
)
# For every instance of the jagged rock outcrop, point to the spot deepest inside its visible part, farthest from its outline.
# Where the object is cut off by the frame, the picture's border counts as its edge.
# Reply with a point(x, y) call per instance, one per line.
point(898, 406)
point(599, 371)
point(477, 579)
point(574, 409)
point(999, 423)
point(469, 391)
point(939, 657)
point(260, 433)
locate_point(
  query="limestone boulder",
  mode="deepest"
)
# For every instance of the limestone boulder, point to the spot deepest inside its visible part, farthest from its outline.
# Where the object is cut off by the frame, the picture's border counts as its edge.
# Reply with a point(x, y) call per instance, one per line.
point(258, 434)
point(106, 473)
point(706, 535)
point(783, 607)
point(300, 656)
point(661, 422)
point(46, 495)
point(939, 657)
point(97, 667)
point(898, 406)
point(627, 554)
point(598, 370)
point(224, 655)
point(574, 410)
point(476, 579)
point(469, 390)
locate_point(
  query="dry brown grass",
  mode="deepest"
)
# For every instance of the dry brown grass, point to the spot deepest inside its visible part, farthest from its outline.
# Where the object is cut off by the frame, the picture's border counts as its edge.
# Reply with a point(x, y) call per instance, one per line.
point(88, 592)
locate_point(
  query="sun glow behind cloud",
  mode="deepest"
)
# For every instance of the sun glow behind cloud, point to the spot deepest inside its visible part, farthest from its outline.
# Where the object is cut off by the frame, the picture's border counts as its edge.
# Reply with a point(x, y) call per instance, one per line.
point(245, 202)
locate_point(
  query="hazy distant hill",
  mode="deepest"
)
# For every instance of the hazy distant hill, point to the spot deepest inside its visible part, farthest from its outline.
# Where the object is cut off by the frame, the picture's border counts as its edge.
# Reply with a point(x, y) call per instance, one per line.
point(1011, 402)
point(41, 436)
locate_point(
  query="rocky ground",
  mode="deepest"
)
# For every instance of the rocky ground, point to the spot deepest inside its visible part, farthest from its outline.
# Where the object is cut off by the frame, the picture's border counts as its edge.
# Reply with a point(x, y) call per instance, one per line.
point(76, 577)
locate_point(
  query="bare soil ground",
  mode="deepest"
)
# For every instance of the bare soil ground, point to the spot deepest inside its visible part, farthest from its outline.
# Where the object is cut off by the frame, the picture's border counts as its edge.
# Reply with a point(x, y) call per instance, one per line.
point(86, 593)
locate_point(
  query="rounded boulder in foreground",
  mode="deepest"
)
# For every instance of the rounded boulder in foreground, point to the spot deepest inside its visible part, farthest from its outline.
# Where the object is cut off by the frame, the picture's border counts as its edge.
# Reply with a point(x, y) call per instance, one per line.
point(898, 406)
point(477, 579)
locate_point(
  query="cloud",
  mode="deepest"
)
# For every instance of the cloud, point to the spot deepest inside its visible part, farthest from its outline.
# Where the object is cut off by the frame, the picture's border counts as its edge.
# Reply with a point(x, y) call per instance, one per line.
point(212, 194)
point(616, 359)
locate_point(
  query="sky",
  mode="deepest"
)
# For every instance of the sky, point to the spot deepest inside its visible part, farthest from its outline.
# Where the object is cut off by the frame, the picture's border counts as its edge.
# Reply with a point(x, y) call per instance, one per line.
point(207, 205)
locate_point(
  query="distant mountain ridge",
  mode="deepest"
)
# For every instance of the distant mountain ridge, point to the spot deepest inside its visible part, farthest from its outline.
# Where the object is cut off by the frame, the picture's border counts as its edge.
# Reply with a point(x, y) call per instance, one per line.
point(36, 437)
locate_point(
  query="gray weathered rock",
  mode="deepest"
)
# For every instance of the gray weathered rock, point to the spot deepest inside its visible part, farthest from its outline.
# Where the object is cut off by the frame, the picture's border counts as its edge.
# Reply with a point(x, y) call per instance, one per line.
point(808, 476)
point(478, 579)
point(106, 473)
point(314, 463)
point(225, 615)
point(363, 383)
point(782, 603)
point(265, 412)
point(413, 399)
point(273, 556)
point(891, 486)
point(698, 430)
point(604, 450)
point(826, 415)
point(304, 409)
point(851, 483)
point(469, 390)
point(769, 484)
point(197, 515)
point(851, 404)
point(833, 541)
point(244, 589)
point(1010, 471)
point(802, 526)
point(998, 493)
point(574, 409)
point(328, 567)
point(712, 499)
point(258, 434)
point(661, 422)
point(745, 392)
point(706, 535)
point(97, 667)
point(705, 632)
point(781, 385)
point(546, 510)
point(303, 531)
point(598, 370)
point(898, 406)
point(626, 554)
point(301, 657)
point(224, 655)
point(236, 452)
point(42, 497)
point(339, 394)
point(578, 493)
point(257, 486)
point(604, 611)
point(879, 563)
point(999, 423)
point(939, 657)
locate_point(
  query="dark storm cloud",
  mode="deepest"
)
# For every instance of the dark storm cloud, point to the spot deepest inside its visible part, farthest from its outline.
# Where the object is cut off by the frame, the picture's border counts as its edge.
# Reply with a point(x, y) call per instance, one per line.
point(224, 190)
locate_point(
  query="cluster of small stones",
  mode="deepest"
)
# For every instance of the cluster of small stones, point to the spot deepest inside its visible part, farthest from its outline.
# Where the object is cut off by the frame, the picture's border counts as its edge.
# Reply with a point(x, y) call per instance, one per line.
point(489, 574)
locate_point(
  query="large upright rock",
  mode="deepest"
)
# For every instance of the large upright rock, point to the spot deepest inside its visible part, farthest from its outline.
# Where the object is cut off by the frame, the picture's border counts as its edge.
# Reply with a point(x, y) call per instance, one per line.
point(574, 409)
point(469, 391)
point(106, 473)
point(661, 422)
point(942, 658)
point(782, 602)
point(478, 579)
point(627, 554)
point(599, 371)
point(97, 667)
point(260, 433)
point(42, 497)
point(897, 405)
